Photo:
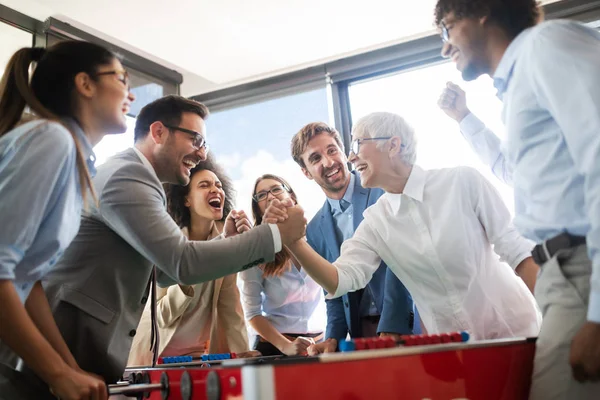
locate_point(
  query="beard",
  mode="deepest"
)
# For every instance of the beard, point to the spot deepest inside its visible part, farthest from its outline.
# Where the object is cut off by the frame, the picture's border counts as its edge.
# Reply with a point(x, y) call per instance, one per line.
point(471, 72)
point(338, 185)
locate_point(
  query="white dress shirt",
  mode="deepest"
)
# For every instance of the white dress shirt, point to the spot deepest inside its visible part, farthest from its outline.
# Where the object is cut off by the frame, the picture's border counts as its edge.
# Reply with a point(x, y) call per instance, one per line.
point(292, 302)
point(437, 238)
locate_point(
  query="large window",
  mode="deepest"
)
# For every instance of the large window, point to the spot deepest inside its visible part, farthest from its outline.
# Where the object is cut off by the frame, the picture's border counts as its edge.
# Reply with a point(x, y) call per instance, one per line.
point(113, 144)
point(11, 40)
point(253, 140)
point(414, 96)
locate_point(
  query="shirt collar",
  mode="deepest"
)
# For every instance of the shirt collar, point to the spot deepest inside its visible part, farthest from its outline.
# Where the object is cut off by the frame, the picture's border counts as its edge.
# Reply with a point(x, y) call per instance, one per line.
point(86, 146)
point(505, 68)
point(335, 204)
point(145, 161)
point(414, 188)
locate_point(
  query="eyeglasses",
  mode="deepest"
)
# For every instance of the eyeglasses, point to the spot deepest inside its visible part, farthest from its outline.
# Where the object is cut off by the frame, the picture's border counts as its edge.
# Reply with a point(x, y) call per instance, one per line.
point(198, 140)
point(355, 146)
point(121, 74)
point(275, 191)
point(445, 35)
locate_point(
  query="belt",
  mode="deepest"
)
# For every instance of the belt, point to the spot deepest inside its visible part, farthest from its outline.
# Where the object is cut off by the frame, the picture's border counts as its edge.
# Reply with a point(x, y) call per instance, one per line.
point(543, 252)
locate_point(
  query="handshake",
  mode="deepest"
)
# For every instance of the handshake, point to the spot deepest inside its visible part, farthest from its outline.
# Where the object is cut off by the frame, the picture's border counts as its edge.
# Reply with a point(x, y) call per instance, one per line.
point(289, 219)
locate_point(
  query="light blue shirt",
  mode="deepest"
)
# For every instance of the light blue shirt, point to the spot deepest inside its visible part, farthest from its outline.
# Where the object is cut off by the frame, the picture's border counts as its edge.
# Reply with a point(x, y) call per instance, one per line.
point(549, 81)
point(487, 146)
point(41, 200)
point(344, 229)
point(292, 302)
point(344, 223)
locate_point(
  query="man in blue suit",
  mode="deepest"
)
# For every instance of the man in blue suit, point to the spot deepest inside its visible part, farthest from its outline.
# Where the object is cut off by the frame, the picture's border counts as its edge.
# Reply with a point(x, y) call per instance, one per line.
point(384, 306)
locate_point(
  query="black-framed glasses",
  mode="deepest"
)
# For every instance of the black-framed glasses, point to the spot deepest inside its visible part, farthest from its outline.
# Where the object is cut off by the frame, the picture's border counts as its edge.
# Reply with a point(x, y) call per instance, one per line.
point(198, 140)
point(275, 191)
point(121, 75)
point(355, 146)
point(445, 34)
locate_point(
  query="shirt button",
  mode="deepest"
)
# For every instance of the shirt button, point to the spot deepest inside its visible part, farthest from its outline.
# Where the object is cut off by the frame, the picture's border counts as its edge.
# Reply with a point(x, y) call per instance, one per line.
point(144, 300)
point(372, 303)
point(132, 333)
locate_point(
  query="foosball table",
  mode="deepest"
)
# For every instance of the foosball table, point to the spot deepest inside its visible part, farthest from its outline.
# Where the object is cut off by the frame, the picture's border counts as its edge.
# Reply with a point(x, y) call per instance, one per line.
point(423, 367)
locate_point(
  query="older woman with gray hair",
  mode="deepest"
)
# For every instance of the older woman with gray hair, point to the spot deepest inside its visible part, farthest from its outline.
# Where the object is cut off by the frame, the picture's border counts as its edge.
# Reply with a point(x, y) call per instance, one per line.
point(437, 230)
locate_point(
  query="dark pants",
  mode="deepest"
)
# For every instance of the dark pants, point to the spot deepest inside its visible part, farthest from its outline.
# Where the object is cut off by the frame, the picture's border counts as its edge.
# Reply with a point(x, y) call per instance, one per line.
point(15, 385)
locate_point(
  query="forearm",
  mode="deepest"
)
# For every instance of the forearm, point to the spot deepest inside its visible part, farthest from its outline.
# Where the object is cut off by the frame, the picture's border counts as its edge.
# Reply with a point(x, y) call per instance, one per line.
point(528, 271)
point(321, 270)
point(264, 328)
point(40, 313)
point(19, 332)
point(203, 261)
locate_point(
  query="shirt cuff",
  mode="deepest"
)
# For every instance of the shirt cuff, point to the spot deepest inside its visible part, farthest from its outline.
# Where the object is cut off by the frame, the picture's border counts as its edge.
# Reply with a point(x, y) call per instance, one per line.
point(10, 257)
point(470, 125)
point(276, 237)
point(343, 286)
point(593, 314)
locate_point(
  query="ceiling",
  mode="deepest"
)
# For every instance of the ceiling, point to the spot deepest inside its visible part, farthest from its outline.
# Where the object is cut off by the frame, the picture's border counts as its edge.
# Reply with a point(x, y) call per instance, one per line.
point(219, 43)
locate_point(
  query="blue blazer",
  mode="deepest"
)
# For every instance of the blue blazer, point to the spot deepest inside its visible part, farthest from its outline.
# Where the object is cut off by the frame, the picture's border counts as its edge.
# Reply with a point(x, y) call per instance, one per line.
point(392, 300)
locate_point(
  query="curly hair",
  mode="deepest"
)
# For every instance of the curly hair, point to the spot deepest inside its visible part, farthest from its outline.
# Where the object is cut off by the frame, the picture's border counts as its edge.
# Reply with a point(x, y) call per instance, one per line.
point(176, 193)
point(281, 262)
point(513, 16)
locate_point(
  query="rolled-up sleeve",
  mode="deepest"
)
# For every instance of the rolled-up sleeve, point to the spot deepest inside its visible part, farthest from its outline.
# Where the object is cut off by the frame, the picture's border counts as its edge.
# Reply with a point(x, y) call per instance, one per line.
point(33, 168)
point(358, 261)
point(252, 288)
point(495, 219)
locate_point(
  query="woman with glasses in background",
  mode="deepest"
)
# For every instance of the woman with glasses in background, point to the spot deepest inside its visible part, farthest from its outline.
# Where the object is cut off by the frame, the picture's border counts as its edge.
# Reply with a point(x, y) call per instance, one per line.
point(282, 303)
point(77, 93)
point(207, 317)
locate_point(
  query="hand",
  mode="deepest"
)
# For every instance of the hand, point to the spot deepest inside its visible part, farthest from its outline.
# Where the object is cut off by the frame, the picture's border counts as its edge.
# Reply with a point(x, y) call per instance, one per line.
point(394, 336)
point(76, 385)
point(236, 222)
point(277, 211)
point(294, 227)
point(249, 354)
point(297, 347)
point(326, 346)
point(585, 353)
point(453, 101)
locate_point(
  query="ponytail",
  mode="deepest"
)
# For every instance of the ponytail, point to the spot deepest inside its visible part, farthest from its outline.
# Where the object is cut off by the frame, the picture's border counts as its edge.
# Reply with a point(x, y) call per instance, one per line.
point(49, 100)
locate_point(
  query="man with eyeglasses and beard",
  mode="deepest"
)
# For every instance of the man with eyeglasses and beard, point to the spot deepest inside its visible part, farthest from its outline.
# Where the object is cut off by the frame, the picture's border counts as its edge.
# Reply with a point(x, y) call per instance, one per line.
point(547, 77)
point(128, 242)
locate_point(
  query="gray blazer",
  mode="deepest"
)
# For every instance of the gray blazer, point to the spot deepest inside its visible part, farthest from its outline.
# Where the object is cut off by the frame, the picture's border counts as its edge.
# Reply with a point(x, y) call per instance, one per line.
point(98, 289)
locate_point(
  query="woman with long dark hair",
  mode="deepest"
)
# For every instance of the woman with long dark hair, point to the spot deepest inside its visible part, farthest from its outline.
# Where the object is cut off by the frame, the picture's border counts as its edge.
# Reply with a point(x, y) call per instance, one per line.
point(206, 317)
point(77, 93)
point(282, 303)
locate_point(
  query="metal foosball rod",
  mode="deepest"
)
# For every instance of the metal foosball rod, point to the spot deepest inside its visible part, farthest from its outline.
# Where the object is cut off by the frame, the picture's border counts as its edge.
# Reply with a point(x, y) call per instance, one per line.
point(114, 390)
point(181, 388)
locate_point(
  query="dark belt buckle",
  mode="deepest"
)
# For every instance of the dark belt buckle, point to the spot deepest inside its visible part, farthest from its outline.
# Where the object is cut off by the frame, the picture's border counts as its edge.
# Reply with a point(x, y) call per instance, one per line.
point(547, 249)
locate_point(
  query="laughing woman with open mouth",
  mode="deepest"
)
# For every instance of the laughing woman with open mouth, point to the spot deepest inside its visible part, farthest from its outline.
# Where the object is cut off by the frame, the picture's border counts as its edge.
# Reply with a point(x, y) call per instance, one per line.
point(207, 317)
